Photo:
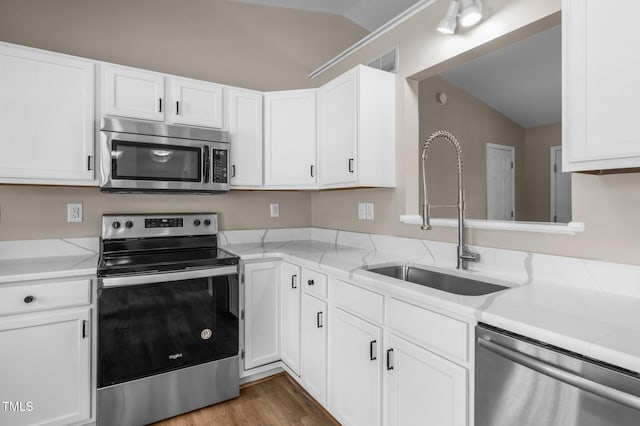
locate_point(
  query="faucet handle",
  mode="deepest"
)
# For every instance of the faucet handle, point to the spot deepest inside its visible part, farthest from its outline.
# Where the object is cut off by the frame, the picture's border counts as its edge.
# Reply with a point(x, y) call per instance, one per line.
point(468, 256)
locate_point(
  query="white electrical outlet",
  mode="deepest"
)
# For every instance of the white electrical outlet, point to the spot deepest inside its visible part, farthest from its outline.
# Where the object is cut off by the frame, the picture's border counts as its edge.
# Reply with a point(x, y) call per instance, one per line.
point(369, 211)
point(275, 210)
point(74, 212)
point(362, 211)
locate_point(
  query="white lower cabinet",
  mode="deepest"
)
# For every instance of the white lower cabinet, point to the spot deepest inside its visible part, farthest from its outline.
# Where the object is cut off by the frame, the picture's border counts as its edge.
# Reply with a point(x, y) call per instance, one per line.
point(290, 315)
point(314, 325)
point(262, 314)
point(423, 388)
point(45, 367)
point(355, 397)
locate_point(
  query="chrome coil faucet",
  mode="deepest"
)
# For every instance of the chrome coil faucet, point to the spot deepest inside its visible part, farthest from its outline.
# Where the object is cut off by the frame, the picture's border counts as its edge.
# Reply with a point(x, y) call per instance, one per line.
point(464, 255)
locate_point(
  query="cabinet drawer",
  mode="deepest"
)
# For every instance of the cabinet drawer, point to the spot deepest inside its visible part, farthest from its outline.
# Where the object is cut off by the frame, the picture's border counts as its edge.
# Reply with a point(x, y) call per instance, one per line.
point(21, 298)
point(359, 301)
point(429, 329)
point(314, 283)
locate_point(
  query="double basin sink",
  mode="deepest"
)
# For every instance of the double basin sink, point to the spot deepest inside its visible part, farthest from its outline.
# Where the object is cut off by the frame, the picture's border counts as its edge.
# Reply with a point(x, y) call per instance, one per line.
point(439, 281)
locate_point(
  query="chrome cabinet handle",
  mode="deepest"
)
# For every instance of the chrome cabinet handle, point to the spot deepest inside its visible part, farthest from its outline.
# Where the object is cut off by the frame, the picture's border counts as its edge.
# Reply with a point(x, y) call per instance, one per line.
point(319, 319)
point(294, 280)
point(350, 165)
point(389, 366)
point(29, 299)
point(563, 375)
point(373, 349)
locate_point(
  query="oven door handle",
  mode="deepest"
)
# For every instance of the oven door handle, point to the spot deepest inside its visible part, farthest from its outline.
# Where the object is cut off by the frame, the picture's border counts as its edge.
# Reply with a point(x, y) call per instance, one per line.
point(169, 276)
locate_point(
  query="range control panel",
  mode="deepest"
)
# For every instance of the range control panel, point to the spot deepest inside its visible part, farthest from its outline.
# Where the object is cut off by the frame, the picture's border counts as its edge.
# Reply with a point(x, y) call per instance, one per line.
point(169, 225)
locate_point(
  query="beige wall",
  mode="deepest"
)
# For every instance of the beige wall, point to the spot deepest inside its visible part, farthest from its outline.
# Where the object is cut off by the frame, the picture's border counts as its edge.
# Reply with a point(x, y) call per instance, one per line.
point(537, 162)
point(232, 43)
point(607, 205)
point(474, 124)
point(257, 47)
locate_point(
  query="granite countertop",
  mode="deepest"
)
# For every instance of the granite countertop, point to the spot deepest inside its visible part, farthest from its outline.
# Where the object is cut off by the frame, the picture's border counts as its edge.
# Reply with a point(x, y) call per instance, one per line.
point(594, 323)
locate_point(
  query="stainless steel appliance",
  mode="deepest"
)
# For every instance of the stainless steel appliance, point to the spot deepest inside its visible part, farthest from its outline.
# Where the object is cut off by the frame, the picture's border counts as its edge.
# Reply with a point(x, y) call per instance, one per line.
point(168, 323)
point(142, 156)
point(520, 381)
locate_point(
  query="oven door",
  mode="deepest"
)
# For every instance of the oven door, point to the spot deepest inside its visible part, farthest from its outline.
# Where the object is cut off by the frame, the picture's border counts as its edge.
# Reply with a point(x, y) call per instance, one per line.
point(151, 324)
point(142, 163)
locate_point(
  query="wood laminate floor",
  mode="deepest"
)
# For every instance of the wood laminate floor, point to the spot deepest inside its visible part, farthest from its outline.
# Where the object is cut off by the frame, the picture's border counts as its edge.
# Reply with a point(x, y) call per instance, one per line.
point(276, 400)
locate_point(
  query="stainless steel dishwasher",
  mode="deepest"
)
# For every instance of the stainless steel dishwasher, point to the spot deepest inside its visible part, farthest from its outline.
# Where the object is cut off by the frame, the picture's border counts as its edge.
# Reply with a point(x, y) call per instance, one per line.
point(524, 382)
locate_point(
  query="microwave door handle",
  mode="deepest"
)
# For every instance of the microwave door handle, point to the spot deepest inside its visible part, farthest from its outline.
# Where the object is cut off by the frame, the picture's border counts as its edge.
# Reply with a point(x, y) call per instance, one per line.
point(207, 164)
point(167, 276)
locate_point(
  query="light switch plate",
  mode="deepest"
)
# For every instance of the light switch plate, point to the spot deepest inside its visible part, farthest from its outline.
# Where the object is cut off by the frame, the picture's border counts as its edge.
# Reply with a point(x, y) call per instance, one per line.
point(74, 212)
point(362, 211)
point(275, 210)
point(369, 211)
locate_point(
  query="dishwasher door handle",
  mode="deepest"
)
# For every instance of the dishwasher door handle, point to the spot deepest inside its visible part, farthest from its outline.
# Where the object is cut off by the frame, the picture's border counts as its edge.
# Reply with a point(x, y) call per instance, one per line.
point(562, 375)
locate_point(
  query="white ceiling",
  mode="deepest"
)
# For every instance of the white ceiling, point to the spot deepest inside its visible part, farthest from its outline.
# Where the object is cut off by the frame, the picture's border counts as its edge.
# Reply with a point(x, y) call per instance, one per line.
point(369, 14)
point(523, 80)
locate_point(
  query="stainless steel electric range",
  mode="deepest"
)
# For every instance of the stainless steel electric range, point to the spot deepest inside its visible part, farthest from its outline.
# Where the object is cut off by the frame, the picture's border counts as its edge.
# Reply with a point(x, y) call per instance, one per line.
point(168, 318)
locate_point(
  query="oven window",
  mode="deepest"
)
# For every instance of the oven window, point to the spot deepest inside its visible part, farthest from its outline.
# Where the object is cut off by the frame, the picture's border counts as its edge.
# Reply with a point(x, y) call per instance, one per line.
point(145, 161)
point(154, 328)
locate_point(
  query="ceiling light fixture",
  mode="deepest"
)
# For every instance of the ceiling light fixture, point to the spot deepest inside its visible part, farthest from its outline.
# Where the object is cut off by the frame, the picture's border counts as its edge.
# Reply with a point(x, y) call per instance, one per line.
point(470, 14)
point(448, 23)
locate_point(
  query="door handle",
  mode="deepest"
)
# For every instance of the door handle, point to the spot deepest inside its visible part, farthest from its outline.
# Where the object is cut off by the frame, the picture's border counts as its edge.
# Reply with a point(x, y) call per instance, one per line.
point(84, 329)
point(177, 107)
point(294, 281)
point(319, 319)
point(310, 282)
point(373, 350)
point(389, 366)
point(233, 170)
point(312, 170)
point(159, 104)
point(350, 165)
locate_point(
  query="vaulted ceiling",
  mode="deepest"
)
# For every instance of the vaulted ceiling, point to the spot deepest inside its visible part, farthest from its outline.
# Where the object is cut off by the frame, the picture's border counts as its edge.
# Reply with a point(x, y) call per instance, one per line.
point(369, 14)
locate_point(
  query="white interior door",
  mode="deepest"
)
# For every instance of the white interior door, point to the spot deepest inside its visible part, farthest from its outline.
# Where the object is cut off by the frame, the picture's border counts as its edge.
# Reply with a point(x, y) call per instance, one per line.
point(560, 188)
point(500, 182)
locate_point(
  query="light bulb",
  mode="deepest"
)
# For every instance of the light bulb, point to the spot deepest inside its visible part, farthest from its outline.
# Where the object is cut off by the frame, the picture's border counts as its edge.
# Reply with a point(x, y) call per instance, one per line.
point(471, 12)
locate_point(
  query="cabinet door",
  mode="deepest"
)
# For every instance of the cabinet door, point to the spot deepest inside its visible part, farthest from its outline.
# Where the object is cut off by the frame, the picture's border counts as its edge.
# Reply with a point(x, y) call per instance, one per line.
point(245, 128)
point(600, 85)
point(47, 110)
point(290, 138)
point(290, 308)
point(314, 347)
point(424, 388)
point(337, 130)
point(133, 93)
point(195, 103)
point(262, 314)
point(355, 396)
point(45, 368)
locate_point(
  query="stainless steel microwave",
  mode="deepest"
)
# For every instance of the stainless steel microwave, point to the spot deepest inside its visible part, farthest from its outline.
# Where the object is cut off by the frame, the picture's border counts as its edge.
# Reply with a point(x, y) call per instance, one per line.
point(142, 156)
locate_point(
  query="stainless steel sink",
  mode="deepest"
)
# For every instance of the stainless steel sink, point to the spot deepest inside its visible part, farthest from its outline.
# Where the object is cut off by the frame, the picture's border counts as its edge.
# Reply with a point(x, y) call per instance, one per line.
point(439, 281)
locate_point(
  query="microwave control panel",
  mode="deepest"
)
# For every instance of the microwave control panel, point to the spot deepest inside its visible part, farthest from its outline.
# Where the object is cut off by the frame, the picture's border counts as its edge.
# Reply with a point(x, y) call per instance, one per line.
point(220, 161)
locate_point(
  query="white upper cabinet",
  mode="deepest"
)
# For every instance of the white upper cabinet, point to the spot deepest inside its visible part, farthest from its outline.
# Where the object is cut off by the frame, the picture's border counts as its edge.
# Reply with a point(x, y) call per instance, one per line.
point(356, 129)
point(47, 109)
point(600, 85)
point(195, 103)
point(245, 129)
point(290, 139)
point(133, 93)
